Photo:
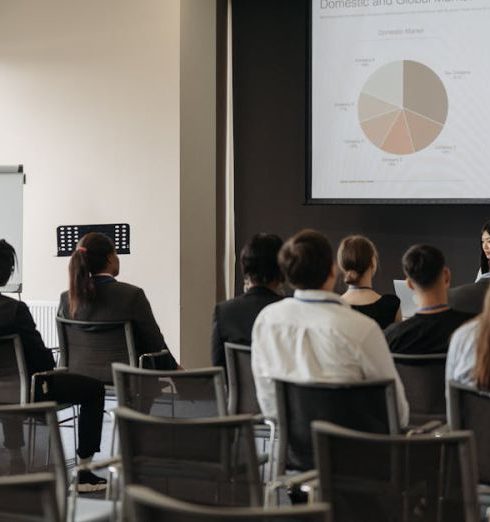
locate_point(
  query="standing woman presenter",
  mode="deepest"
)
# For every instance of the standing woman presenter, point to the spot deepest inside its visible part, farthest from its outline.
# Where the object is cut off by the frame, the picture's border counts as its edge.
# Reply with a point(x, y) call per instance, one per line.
point(484, 270)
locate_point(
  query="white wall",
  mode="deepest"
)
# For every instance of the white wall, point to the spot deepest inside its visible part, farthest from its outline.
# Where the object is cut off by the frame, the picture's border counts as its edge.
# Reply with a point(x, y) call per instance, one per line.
point(89, 103)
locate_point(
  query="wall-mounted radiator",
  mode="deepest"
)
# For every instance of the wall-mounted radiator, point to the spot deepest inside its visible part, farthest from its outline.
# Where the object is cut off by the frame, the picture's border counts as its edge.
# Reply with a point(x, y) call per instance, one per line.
point(44, 314)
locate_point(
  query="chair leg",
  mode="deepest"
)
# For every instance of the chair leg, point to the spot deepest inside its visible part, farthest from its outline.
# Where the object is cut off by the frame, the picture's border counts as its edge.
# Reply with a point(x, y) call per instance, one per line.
point(272, 447)
point(75, 413)
point(30, 443)
point(113, 451)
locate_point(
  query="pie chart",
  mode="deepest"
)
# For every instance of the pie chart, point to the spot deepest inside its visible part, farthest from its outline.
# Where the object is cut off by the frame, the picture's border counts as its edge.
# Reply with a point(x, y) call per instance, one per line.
point(403, 107)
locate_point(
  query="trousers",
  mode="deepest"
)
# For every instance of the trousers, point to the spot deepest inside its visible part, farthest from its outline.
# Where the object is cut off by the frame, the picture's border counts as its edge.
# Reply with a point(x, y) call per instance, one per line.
point(67, 388)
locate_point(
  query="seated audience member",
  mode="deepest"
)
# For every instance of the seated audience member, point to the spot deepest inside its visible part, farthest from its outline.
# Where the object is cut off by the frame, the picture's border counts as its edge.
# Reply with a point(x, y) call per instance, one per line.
point(468, 358)
point(357, 258)
point(315, 336)
point(429, 330)
point(62, 387)
point(233, 319)
point(95, 295)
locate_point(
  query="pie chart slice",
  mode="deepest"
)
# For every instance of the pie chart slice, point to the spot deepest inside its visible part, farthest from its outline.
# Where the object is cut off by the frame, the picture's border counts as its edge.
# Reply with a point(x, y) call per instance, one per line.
point(422, 129)
point(424, 92)
point(378, 128)
point(403, 107)
point(399, 139)
point(369, 107)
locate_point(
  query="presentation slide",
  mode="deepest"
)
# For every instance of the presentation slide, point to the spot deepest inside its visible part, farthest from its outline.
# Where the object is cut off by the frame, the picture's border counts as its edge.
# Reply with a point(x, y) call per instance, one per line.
point(400, 101)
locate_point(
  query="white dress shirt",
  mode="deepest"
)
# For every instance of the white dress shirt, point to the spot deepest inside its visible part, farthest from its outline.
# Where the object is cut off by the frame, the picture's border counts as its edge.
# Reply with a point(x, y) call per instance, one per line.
point(317, 337)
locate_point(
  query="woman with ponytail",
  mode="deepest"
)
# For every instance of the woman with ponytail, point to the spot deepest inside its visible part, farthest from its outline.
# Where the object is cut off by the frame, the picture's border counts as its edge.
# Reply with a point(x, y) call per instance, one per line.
point(95, 295)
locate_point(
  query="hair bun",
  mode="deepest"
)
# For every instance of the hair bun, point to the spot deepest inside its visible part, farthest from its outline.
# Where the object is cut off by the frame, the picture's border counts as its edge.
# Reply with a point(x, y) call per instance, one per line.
point(351, 277)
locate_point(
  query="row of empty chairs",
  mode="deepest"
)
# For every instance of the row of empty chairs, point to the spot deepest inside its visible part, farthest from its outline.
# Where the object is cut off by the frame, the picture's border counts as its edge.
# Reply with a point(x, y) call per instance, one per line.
point(181, 411)
point(362, 477)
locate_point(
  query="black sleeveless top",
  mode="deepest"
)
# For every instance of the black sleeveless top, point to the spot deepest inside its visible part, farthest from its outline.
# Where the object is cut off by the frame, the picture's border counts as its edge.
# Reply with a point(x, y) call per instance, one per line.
point(383, 311)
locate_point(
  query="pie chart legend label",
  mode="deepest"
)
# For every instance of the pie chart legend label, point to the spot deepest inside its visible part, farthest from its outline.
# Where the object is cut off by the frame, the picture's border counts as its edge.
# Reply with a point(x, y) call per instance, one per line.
point(403, 107)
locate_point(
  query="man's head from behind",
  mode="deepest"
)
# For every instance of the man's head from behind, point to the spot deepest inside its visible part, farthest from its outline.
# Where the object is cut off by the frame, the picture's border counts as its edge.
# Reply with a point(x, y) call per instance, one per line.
point(258, 260)
point(306, 260)
point(7, 261)
point(425, 268)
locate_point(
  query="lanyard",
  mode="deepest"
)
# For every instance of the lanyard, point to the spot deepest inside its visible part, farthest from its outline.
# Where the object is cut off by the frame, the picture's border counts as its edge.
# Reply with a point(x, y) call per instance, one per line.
point(332, 301)
point(355, 287)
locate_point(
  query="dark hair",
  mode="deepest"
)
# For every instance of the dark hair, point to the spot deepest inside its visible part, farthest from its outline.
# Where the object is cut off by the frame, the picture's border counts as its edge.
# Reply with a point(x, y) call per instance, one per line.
point(355, 256)
point(484, 266)
point(306, 259)
point(423, 264)
point(258, 259)
point(482, 358)
point(90, 257)
point(8, 260)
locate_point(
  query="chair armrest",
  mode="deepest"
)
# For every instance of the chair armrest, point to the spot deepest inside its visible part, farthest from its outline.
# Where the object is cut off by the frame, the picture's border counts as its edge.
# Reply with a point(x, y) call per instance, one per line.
point(262, 419)
point(302, 478)
point(47, 373)
point(50, 372)
point(428, 427)
point(152, 356)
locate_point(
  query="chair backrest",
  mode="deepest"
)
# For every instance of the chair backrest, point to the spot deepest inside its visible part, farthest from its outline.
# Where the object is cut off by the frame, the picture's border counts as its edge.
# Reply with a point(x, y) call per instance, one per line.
point(469, 409)
point(242, 396)
point(14, 379)
point(89, 348)
point(369, 477)
point(204, 461)
point(423, 378)
point(146, 504)
point(29, 498)
point(175, 394)
point(366, 406)
point(32, 444)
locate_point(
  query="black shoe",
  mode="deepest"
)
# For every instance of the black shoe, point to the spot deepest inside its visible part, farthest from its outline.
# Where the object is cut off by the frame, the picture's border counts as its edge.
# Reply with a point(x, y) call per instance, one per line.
point(88, 482)
point(296, 496)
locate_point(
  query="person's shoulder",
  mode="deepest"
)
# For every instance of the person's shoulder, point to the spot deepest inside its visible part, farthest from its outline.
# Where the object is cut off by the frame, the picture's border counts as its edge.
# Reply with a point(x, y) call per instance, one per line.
point(401, 327)
point(390, 299)
point(354, 321)
point(10, 301)
point(10, 307)
point(121, 287)
point(277, 309)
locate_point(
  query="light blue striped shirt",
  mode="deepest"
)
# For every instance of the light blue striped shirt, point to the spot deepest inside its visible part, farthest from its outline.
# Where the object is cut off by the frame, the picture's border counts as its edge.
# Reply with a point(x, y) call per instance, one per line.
point(461, 358)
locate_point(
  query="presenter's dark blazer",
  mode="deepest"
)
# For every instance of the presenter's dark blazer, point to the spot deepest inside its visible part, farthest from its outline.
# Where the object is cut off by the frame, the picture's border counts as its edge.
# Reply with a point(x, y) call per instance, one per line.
point(233, 320)
point(116, 301)
point(15, 318)
point(469, 298)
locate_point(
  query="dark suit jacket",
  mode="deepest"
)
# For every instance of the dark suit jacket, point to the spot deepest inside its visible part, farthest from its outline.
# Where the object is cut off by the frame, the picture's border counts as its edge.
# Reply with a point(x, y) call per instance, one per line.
point(233, 320)
point(469, 298)
point(117, 301)
point(15, 318)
